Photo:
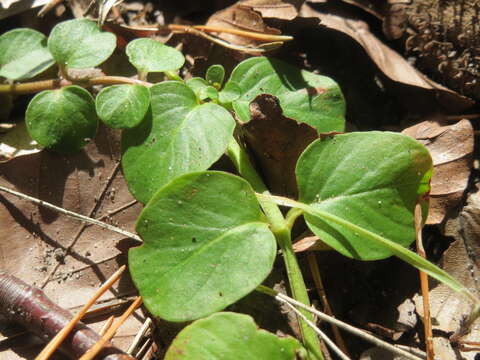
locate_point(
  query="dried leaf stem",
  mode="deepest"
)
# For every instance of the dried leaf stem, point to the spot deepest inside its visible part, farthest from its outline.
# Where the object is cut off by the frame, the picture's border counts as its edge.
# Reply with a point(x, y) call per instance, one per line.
point(62, 334)
point(427, 320)
point(72, 214)
point(342, 325)
point(312, 262)
point(320, 333)
point(93, 351)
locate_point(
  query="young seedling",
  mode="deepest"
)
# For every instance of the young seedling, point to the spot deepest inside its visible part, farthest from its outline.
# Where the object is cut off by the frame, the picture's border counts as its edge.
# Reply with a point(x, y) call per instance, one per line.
point(210, 237)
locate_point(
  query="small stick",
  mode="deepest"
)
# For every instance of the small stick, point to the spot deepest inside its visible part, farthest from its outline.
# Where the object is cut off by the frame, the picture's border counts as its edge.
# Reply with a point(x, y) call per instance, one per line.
point(29, 307)
point(107, 326)
point(71, 214)
point(93, 351)
point(62, 334)
point(342, 325)
point(427, 320)
point(312, 262)
point(48, 6)
point(146, 325)
point(324, 337)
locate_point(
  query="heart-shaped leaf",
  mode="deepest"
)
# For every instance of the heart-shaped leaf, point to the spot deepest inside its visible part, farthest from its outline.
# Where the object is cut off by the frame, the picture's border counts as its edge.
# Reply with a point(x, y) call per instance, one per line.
point(63, 120)
point(180, 136)
point(205, 246)
point(79, 44)
point(370, 179)
point(148, 55)
point(230, 336)
point(314, 99)
point(23, 54)
point(122, 106)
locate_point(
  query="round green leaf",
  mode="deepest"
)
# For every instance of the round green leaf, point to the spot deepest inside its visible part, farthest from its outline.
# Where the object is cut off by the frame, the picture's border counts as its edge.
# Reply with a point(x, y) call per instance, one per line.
point(370, 179)
point(180, 136)
point(122, 106)
point(306, 97)
point(230, 336)
point(215, 75)
point(148, 55)
point(23, 54)
point(79, 44)
point(63, 120)
point(205, 246)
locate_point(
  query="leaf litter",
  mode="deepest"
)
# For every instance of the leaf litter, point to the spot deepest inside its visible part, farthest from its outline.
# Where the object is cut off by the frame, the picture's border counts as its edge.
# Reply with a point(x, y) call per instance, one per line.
point(41, 234)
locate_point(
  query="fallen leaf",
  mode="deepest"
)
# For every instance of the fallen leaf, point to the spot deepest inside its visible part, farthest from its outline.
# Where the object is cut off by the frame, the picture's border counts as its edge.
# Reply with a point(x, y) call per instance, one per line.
point(392, 64)
point(17, 142)
point(277, 142)
point(34, 239)
point(241, 16)
point(451, 148)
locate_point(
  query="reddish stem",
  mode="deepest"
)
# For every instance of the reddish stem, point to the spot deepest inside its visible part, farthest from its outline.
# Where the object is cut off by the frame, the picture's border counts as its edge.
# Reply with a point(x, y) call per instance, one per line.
point(29, 307)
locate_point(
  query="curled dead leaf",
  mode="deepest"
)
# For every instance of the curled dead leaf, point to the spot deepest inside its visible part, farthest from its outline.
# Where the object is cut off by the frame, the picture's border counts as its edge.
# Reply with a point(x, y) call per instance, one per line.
point(451, 148)
point(17, 142)
point(249, 15)
point(277, 142)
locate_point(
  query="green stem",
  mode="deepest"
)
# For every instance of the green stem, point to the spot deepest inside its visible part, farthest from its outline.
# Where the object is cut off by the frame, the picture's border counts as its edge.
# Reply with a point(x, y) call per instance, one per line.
point(281, 229)
point(172, 75)
point(37, 86)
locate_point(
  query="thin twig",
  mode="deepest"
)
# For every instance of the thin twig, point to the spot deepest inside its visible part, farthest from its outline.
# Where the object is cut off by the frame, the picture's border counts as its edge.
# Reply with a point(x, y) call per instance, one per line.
point(71, 213)
point(146, 325)
point(427, 320)
point(312, 262)
point(62, 334)
point(324, 337)
point(92, 352)
point(342, 325)
point(106, 326)
point(37, 86)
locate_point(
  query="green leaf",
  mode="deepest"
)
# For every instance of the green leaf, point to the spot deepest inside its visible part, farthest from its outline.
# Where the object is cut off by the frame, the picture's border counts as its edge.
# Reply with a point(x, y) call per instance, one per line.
point(63, 120)
point(199, 86)
point(23, 54)
point(79, 44)
point(306, 97)
point(379, 241)
point(122, 106)
point(180, 136)
point(371, 179)
point(229, 93)
point(215, 75)
point(206, 245)
point(148, 55)
point(230, 336)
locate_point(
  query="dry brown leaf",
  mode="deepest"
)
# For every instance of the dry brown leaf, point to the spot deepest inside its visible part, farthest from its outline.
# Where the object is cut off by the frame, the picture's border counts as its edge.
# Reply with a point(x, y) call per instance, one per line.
point(462, 259)
point(34, 239)
point(277, 142)
point(392, 64)
point(248, 15)
point(451, 148)
point(17, 142)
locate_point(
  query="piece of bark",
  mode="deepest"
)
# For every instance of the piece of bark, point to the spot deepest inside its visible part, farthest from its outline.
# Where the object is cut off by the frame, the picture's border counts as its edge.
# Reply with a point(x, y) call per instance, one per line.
point(29, 307)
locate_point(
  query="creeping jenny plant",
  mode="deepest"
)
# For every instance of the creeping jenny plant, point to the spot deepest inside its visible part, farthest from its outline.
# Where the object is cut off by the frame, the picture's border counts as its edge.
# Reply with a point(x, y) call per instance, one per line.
point(211, 237)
